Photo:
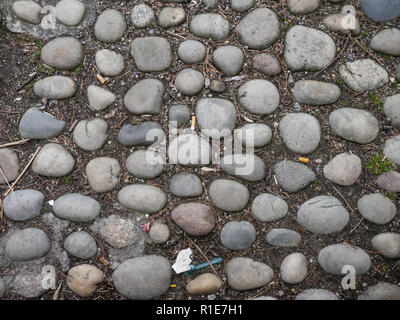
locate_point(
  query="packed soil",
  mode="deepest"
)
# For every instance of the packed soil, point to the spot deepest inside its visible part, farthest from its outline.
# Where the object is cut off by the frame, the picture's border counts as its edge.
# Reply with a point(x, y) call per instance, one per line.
point(20, 58)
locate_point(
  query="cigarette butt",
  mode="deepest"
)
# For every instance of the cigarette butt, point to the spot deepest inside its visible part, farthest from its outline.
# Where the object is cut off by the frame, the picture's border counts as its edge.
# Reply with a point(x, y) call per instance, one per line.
point(193, 122)
point(100, 78)
point(173, 285)
point(304, 160)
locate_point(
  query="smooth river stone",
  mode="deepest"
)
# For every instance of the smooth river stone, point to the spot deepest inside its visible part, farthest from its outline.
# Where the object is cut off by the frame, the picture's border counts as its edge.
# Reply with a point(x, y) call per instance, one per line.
point(259, 29)
point(110, 26)
point(216, 117)
point(189, 149)
point(192, 51)
point(36, 124)
point(334, 257)
point(189, 82)
point(283, 237)
point(206, 283)
point(209, 25)
point(301, 132)
point(308, 49)
point(145, 97)
point(22, 205)
point(293, 176)
point(186, 185)
point(144, 134)
point(316, 294)
point(151, 54)
point(238, 235)
point(294, 268)
point(27, 244)
point(316, 93)
point(382, 10)
point(142, 198)
point(143, 277)
point(340, 22)
point(142, 16)
point(259, 96)
point(100, 98)
point(391, 108)
point(109, 63)
point(197, 219)
point(70, 12)
point(354, 125)
point(83, 279)
point(62, 53)
point(389, 181)
point(323, 215)
point(388, 244)
point(76, 207)
point(377, 208)
point(249, 167)
point(254, 134)
point(145, 164)
point(228, 195)
point(30, 11)
point(103, 174)
point(246, 274)
point(55, 87)
point(171, 17)
point(53, 161)
point(228, 59)
point(90, 135)
point(387, 41)
point(303, 6)
point(268, 207)
point(344, 169)
point(80, 244)
point(381, 291)
point(9, 164)
point(391, 149)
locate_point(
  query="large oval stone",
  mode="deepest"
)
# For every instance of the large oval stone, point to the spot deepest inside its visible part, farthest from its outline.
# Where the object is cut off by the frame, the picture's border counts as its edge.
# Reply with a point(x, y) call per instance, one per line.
point(259, 29)
point(246, 166)
point(334, 257)
point(143, 278)
point(142, 198)
point(110, 26)
point(76, 207)
point(63, 53)
point(316, 93)
point(259, 96)
point(189, 149)
point(53, 161)
point(209, 25)
point(151, 54)
point(55, 87)
point(197, 219)
point(308, 49)
point(301, 132)
point(354, 125)
point(145, 97)
point(377, 208)
point(238, 235)
point(36, 124)
point(23, 205)
point(246, 274)
point(323, 215)
point(216, 117)
point(228, 195)
point(267, 207)
point(27, 244)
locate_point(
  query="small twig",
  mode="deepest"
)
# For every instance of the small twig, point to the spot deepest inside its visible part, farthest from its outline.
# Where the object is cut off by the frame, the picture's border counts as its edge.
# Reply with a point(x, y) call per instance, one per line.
point(56, 293)
point(33, 76)
point(361, 220)
point(343, 198)
point(23, 172)
point(205, 257)
point(14, 143)
point(171, 33)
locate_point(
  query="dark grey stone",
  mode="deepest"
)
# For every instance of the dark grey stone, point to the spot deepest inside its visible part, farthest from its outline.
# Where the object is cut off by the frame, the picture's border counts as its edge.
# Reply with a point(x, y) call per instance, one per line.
point(23, 205)
point(141, 135)
point(35, 124)
point(238, 235)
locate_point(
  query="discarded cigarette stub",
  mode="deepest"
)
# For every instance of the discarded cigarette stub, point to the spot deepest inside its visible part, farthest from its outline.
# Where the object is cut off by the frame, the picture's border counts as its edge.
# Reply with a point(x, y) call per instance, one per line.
point(304, 160)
